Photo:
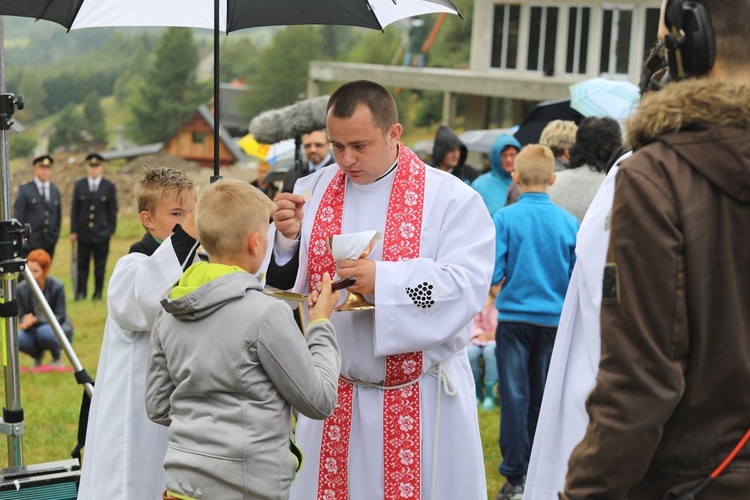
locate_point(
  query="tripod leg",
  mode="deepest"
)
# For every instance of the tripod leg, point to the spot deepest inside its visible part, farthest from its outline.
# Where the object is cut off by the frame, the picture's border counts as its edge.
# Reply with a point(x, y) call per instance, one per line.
point(56, 328)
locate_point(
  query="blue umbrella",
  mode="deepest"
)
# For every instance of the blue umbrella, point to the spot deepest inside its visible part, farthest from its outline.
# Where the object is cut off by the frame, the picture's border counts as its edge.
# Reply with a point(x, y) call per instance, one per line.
point(603, 97)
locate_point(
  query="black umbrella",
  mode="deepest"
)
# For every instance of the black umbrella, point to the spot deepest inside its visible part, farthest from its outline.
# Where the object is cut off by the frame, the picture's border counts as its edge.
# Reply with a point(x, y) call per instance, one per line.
point(221, 15)
point(531, 128)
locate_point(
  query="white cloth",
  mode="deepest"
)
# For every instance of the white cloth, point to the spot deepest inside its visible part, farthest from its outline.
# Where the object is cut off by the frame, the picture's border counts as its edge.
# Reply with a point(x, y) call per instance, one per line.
point(575, 357)
point(456, 259)
point(124, 449)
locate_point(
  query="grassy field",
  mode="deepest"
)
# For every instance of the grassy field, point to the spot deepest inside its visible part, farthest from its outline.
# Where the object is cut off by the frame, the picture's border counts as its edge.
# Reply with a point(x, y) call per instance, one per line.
point(51, 401)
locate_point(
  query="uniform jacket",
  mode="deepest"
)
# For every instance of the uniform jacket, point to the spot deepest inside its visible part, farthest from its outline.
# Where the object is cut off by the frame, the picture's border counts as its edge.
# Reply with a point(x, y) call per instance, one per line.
point(93, 216)
point(226, 363)
point(44, 216)
point(672, 396)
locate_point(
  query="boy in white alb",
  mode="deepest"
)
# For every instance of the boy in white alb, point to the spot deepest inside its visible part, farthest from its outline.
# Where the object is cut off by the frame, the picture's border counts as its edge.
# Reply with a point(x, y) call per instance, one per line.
point(124, 449)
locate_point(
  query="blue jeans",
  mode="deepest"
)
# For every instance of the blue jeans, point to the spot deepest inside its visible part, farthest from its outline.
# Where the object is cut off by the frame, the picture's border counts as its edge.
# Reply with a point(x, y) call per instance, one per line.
point(523, 356)
point(38, 339)
point(490, 366)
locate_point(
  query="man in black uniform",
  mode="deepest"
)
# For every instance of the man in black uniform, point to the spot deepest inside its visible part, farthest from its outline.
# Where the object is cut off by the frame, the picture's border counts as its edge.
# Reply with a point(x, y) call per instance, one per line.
point(93, 220)
point(38, 204)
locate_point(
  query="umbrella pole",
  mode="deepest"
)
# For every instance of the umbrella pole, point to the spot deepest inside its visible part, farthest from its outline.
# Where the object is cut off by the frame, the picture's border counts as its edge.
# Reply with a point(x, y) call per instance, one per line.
point(217, 104)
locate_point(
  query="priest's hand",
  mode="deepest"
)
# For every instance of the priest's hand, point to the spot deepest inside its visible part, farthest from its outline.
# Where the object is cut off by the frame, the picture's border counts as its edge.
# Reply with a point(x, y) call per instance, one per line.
point(288, 215)
point(363, 270)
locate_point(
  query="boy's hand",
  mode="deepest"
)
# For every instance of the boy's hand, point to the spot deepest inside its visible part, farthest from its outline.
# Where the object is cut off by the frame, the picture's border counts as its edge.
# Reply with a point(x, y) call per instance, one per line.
point(288, 214)
point(322, 300)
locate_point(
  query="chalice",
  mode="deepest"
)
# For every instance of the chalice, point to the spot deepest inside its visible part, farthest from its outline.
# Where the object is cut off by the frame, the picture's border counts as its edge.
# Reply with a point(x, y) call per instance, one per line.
point(353, 246)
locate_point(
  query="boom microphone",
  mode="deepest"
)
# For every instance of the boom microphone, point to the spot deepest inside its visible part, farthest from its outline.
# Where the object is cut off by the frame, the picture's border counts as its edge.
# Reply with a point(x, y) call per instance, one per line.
point(289, 122)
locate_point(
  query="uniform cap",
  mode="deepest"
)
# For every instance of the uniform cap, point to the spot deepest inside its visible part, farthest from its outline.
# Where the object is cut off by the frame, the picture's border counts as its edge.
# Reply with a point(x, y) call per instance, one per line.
point(94, 158)
point(46, 160)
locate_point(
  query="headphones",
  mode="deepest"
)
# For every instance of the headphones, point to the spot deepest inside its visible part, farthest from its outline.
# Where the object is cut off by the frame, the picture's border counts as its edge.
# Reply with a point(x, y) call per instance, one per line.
point(690, 43)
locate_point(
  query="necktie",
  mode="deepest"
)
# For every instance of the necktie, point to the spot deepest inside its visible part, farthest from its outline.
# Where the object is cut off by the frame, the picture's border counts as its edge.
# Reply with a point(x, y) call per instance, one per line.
point(45, 192)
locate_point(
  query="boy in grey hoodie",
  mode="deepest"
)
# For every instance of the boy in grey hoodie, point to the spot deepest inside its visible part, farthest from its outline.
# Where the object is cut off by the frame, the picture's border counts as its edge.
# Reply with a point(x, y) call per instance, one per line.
point(227, 361)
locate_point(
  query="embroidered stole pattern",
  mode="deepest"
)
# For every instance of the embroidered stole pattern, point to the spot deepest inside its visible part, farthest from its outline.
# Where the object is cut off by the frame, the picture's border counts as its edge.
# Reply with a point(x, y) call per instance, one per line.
point(401, 411)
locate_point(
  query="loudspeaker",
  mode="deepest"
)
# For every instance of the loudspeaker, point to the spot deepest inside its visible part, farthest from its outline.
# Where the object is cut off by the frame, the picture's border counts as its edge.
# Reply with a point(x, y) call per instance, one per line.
point(690, 43)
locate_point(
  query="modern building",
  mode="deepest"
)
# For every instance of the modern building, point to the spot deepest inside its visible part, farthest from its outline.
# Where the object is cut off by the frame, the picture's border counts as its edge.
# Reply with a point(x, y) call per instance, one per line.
point(521, 52)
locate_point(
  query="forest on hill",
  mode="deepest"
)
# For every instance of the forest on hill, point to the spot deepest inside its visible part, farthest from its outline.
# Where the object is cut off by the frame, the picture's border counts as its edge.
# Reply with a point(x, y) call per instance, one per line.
point(81, 85)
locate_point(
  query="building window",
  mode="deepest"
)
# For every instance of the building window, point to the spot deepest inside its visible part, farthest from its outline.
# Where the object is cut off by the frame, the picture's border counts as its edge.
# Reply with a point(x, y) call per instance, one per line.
point(617, 27)
point(542, 38)
point(578, 39)
point(199, 137)
point(652, 26)
point(505, 36)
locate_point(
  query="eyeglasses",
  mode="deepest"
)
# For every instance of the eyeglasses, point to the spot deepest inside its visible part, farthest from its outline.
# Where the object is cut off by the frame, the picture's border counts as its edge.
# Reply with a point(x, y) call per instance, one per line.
point(95, 165)
point(316, 144)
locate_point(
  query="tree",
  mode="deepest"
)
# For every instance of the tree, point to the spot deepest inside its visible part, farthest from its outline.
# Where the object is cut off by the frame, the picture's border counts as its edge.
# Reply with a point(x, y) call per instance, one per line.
point(168, 93)
point(93, 116)
point(281, 77)
point(452, 45)
point(239, 59)
point(62, 89)
point(33, 93)
point(374, 47)
point(127, 83)
point(21, 145)
point(69, 128)
point(337, 39)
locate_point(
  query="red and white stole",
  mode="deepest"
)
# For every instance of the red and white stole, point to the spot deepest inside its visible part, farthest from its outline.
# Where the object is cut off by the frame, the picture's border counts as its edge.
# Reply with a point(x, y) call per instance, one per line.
point(401, 415)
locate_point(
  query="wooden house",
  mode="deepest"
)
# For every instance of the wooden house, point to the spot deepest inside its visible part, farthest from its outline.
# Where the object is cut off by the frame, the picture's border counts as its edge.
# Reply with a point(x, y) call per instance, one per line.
point(194, 142)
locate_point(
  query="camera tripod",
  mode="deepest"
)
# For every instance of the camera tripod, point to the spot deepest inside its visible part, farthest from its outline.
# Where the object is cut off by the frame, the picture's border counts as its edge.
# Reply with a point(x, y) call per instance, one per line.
point(12, 234)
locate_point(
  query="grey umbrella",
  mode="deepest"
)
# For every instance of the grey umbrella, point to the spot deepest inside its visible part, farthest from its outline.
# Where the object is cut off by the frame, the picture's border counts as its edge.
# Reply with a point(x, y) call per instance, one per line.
point(221, 15)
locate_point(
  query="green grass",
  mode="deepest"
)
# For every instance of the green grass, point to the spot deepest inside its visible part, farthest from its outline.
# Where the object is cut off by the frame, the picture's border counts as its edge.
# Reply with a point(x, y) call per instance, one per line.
point(51, 401)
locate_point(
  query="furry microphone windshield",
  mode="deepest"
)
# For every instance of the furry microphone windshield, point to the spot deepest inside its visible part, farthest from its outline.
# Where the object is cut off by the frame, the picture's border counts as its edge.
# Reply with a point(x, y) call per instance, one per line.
point(288, 122)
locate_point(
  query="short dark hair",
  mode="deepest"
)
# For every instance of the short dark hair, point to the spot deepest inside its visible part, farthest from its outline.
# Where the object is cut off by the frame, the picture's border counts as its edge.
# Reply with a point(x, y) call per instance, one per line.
point(596, 140)
point(729, 20)
point(346, 99)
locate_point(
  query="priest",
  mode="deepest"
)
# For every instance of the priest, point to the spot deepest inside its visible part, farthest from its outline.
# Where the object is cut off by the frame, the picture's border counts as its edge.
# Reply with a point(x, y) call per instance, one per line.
point(406, 420)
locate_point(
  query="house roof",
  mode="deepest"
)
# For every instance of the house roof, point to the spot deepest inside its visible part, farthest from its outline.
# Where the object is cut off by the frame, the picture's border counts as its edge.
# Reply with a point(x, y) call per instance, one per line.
point(148, 149)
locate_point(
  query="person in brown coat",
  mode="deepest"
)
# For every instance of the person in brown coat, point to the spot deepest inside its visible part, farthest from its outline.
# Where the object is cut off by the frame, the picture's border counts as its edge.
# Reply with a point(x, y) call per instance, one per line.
point(672, 399)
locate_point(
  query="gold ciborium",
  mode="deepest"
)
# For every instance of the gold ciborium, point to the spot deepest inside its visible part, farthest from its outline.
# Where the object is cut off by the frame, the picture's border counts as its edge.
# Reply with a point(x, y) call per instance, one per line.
point(353, 246)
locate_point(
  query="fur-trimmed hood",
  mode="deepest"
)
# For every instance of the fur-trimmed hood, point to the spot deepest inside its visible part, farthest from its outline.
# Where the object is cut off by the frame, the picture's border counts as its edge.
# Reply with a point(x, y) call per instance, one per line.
point(689, 105)
point(707, 123)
